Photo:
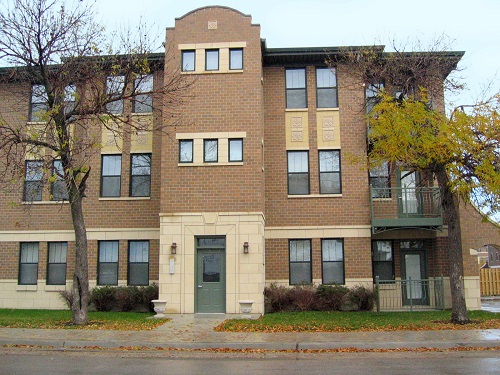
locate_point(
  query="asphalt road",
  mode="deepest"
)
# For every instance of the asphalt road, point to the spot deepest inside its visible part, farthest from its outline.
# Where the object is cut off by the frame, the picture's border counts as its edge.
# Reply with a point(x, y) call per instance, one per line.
point(17, 361)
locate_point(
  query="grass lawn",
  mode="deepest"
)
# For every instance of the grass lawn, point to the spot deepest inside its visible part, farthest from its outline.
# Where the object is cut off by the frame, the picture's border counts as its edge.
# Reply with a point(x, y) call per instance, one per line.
point(335, 321)
point(14, 318)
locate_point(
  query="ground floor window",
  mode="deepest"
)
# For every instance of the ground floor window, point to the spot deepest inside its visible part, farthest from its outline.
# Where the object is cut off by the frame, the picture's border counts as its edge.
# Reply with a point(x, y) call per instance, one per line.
point(300, 262)
point(332, 261)
point(138, 263)
point(383, 260)
point(28, 263)
point(107, 265)
point(56, 263)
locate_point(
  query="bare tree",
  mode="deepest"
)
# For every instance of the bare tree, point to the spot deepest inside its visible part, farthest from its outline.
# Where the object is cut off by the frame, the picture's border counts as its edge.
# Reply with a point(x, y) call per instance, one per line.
point(409, 127)
point(79, 83)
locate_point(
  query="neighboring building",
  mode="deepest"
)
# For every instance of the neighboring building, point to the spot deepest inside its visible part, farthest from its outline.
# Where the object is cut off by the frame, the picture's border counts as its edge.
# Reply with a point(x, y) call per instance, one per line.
point(256, 185)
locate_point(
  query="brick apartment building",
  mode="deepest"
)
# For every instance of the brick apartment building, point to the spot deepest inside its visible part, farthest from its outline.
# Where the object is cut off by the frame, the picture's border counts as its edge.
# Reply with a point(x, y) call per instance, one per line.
point(256, 185)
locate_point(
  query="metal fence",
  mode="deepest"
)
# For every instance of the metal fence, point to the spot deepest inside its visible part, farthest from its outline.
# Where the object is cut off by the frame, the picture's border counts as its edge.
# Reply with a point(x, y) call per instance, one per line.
point(402, 295)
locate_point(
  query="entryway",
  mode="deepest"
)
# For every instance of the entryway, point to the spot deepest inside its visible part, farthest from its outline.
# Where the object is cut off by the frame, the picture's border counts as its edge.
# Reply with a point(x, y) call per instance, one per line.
point(414, 271)
point(210, 282)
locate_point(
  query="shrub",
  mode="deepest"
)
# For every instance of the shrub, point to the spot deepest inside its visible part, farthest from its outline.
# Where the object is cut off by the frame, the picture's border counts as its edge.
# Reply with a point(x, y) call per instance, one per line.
point(67, 297)
point(303, 297)
point(103, 298)
point(362, 298)
point(124, 298)
point(276, 298)
point(331, 297)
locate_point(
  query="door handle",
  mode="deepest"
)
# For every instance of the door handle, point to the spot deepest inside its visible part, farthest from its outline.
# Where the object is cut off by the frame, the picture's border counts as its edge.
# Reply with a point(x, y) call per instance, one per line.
point(200, 286)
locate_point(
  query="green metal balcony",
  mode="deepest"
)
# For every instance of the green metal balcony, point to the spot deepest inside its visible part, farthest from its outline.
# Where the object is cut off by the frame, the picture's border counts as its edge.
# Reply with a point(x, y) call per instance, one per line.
point(400, 208)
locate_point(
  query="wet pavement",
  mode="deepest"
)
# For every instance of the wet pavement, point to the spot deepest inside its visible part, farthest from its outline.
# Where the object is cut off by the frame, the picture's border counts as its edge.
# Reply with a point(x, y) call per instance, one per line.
point(490, 304)
point(190, 331)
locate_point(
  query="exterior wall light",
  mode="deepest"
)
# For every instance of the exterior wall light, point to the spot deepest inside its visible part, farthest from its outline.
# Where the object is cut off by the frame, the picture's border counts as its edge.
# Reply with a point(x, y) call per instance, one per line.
point(173, 248)
point(245, 247)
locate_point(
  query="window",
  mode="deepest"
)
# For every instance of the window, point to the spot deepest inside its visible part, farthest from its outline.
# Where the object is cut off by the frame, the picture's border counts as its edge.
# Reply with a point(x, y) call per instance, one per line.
point(236, 59)
point(188, 61)
point(212, 59)
point(107, 266)
point(28, 263)
point(298, 172)
point(138, 263)
point(300, 262)
point(69, 98)
point(59, 191)
point(111, 175)
point(296, 96)
point(39, 103)
point(210, 150)
point(236, 149)
point(140, 175)
point(56, 263)
point(329, 172)
point(326, 88)
point(371, 95)
point(383, 264)
point(186, 151)
point(114, 89)
point(33, 181)
point(333, 261)
point(380, 182)
point(143, 102)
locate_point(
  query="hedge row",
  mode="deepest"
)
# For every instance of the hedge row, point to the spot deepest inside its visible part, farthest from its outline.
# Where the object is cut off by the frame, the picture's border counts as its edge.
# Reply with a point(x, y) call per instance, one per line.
point(279, 298)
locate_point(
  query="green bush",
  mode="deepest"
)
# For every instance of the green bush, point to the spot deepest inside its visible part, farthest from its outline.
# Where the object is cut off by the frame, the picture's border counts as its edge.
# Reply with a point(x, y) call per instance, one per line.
point(331, 297)
point(362, 298)
point(124, 298)
point(277, 298)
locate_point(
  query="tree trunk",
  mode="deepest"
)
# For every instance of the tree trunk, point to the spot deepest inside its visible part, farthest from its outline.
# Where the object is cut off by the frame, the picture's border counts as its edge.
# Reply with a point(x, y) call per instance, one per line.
point(80, 289)
point(450, 206)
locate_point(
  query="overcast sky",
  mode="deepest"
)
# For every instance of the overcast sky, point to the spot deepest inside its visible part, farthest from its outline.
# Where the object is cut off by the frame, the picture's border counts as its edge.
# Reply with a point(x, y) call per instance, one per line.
point(473, 27)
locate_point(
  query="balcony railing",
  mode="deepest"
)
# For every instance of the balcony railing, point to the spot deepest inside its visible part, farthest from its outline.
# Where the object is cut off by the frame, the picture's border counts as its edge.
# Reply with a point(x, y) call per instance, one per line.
point(398, 208)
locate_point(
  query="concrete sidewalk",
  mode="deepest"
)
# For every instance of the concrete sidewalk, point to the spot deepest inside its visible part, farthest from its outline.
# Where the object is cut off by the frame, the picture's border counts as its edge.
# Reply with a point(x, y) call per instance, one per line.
point(196, 332)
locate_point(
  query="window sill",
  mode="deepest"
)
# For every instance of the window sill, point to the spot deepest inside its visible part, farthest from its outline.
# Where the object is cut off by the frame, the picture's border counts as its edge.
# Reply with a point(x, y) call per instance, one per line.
point(209, 164)
point(124, 198)
point(316, 196)
point(141, 113)
point(214, 72)
point(327, 109)
point(381, 199)
point(296, 109)
point(44, 202)
point(36, 123)
point(27, 288)
point(55, 288)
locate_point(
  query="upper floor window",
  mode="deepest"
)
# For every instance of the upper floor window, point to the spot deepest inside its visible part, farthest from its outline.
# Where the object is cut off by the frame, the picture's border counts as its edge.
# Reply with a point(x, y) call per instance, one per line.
point(210, 150)
point(372, 95)
point(212, 59)
point(329, 172)
point(296, 96)
point(28, 263)
point(326, 88)
point(33, 181)
point(236, 58)
point(236, 149)
point(69, 98)
point(107, 266)
point(111, 172)
point(140, 175)
point(332, 261)
point(188, 61)
point(300, 262)
point(138, 263)
point(380, 181)
point(298, 172)
point(59, 191)
point(39, 103)
point(114, 89)
point(56, 263)
point(186, 151)
point(143, 102)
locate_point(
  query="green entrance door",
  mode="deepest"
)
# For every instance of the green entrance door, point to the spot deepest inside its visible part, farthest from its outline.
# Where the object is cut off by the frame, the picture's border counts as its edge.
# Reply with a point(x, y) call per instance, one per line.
point(414, 272)
point(210, 293)
point(410, 200)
